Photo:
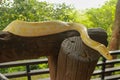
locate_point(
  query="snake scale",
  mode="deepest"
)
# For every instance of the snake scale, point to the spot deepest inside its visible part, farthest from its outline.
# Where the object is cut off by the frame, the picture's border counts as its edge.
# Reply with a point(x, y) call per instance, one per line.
point(31, 29)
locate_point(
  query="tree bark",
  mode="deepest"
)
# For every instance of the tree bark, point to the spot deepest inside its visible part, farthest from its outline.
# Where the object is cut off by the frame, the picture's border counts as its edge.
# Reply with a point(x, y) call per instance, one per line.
point(115, 39)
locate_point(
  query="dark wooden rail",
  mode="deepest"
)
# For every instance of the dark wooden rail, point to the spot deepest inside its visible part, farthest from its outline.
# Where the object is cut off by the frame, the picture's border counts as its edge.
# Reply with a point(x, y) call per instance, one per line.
point(103, 63)
point(100, 73)
point(27, 64)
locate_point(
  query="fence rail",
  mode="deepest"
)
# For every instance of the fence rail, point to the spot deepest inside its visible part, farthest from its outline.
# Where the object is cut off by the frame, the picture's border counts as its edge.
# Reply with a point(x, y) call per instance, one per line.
point(101, 72)
point(108, 73)
point(27, 64)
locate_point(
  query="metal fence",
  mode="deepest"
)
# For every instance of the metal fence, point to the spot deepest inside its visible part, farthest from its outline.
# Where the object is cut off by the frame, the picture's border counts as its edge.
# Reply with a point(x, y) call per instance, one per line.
point(108, 70)
point(28, 71)
point(102, 72)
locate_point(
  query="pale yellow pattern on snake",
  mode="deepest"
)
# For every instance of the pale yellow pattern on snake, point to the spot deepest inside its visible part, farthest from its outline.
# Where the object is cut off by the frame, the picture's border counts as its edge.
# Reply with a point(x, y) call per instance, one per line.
point(32, 29)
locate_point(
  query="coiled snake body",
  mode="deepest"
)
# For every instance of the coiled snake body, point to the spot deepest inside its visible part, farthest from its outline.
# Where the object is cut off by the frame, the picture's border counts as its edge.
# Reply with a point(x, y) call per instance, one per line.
point(30, 29)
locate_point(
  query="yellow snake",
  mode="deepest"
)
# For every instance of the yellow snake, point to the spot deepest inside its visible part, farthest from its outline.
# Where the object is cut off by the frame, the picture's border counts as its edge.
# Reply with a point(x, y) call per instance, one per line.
point(31, 29)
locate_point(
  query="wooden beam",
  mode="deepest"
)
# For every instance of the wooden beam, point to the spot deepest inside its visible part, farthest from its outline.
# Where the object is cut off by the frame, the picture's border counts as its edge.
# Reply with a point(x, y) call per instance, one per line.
point(13, 47)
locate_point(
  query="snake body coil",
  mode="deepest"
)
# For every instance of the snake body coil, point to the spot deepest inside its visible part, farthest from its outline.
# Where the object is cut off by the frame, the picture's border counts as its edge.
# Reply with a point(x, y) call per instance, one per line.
point(32, 29)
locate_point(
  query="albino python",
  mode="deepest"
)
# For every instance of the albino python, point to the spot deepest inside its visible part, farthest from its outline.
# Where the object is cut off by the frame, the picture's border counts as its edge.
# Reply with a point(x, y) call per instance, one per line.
point(31, 29)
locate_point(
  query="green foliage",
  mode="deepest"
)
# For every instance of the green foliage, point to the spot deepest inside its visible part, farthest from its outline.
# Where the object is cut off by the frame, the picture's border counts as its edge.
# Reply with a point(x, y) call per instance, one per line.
point(32, 10)
point(43, 66)
point(2, 70)
point(16, 69)
point(12, 69)
point(102, 17)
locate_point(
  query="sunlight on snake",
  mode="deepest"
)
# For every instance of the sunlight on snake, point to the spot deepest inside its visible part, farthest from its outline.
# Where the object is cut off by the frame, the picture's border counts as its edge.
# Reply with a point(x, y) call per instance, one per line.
point(31, 29)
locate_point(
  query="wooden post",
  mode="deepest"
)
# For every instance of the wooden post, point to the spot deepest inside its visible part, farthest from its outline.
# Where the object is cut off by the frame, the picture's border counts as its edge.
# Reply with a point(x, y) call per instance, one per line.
point(76, 61)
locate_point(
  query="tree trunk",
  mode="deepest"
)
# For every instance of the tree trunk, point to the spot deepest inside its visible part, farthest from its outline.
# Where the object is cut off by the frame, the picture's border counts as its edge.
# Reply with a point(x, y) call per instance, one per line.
point(115, 39)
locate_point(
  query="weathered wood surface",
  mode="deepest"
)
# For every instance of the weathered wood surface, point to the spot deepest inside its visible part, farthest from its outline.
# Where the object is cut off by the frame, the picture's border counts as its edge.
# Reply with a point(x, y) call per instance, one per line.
point(52, 61)
point(90, 57)
point(76, 61)
point(14, 47)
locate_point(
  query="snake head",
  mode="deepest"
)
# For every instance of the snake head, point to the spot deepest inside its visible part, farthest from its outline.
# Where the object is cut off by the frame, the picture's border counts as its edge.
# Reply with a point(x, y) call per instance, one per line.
point(104, 52)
